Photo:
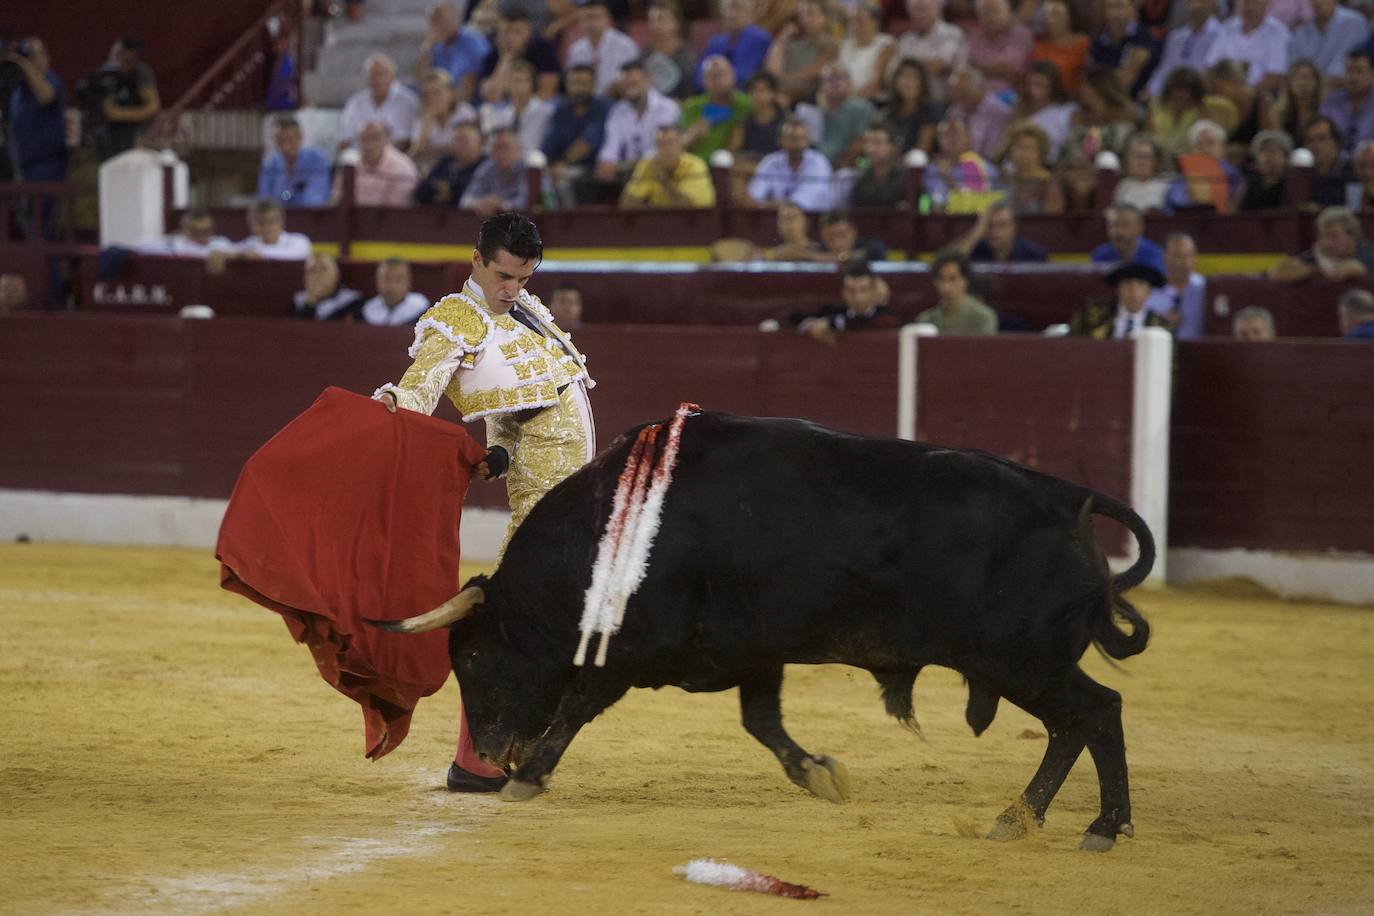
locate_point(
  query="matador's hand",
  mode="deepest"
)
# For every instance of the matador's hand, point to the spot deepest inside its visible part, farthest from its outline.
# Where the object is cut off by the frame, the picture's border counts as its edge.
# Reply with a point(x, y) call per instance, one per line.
point(493, 464)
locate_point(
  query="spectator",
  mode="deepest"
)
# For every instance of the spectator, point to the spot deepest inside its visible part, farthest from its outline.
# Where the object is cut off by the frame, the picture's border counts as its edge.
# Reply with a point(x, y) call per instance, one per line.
point(1253, 323)
point(384, 176)
point(712, 120)
point(1351, 108)
point(1045, 104)
point(294, 174)
point(1186, 46)
point(741, 42)
point(669, 59)
point(844, 118)
point(500, 182)
point(910, 111)
point(1325, 39)
point(882, 180)
point(602, 47)
point(451, 176)
point(1267, 188)
point(1121, 319)
point(957, 170)
point(1290, 12)
point(1126, 242)
point(955, 311)
point(1106, 117)
point(1341, 252)
point(1175, 109)
point(453, 48)
point(796, 243)
point(840, 241)
point(670, 177)
point(515, 41)
point(129, 108)
point(1063, 43)
point(1182, 299)
point(1299, 99)
point(440, 113)
point(1207, 180)
point(984, 114)
point(576, 132)
point(1256, 40)
point(269, 242)
point(195, 240)
point(546, 17)
point(37, 138)
point(794, 173)
point(1143, 186)
point(866, 50)
point(1028, 183)
point(324, 298)
point(999, 46)
point(1126, 46)
point(801, 51)
point(1361, 192)
point(565, 302)
point(1232, 102)
point(14, 293)
point(521, 110)
point(939, 46)
point(993, 238)
point(632, 125)
point(1356, 309)
point(1330, 167)
point(863, 307)
point(757, 135)
point(395, 304)
point(384, 100)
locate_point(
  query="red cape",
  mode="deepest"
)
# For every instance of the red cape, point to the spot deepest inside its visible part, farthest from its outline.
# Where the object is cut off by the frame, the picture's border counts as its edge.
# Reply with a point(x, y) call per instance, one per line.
point(351, 512)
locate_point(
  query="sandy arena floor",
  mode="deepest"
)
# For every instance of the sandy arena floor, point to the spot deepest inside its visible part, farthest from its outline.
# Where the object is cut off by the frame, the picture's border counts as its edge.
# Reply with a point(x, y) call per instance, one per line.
point(168, 749)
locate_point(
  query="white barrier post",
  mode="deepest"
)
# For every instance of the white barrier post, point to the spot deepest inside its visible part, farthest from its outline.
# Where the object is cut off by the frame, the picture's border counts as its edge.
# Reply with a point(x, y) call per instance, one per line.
point(1152, 402)
point(906, 377)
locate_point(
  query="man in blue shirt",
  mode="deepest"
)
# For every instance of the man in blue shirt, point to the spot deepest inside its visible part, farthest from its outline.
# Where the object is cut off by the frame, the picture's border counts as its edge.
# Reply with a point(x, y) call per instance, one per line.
point(1357, 315)
point(741, 42)
point(1182, 300)
point(295, 175)
point(575, 132)
point(1126, 243)
point(1126, 45)
point(458, 51)
point(37, 136)
point(993, 238)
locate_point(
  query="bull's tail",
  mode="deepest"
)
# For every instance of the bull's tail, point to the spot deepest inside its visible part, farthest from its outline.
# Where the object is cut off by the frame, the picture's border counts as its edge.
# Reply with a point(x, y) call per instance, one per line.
point(1107, 635)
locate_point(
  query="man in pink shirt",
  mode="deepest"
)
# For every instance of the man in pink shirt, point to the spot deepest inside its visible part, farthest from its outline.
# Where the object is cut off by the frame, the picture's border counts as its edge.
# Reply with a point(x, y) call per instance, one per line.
point(999, 46)
point(386, 177)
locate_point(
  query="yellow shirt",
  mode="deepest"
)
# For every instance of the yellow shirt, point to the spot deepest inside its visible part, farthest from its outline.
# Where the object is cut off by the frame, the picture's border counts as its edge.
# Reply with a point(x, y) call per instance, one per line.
point(691, 178)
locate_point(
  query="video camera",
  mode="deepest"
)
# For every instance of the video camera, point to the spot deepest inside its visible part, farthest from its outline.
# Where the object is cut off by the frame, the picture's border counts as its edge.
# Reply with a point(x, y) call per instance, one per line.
point(10, 74)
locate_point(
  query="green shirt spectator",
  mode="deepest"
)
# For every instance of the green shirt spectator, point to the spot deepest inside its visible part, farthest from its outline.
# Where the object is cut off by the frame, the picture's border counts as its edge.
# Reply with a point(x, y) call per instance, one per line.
point(956, 312)
point(709, 120)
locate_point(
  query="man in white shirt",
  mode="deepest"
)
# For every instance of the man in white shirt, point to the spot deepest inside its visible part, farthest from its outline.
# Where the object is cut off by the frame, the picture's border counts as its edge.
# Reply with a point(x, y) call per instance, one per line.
point(383, 100)
point(1254, 38)
point(395, 304)
point(941, 47)
point(601, 47)
point(1325, 39)
point(1181, 301)
point(1187, 45)
point(632, 126)
point(794, 173)
point(269, 242)
point(195, 240)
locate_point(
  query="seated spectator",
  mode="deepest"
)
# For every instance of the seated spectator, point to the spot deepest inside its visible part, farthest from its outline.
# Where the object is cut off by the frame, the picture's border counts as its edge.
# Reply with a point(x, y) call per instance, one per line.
point(982, 112)
point(867, 50)
point(940, 46)
point(958, 179)
point(384, 100)
point(668, 58)
point(1175, 109)
point(796, 243)
point(1331, 170)
point(863, 307)
point(294, 174)
point(1062, 44)
point(451, 175)
point(521, 110)
point(632, 126)
point(14, 293)
point(1126, 242)
point(910, 111)
point(269, 242)
point(455, 49)
point(1126, 45)
point(1298, 101)
point(1356, 308)
point(1028, 183)
point(670, 177)
point(1361, 192)
point(1253, 323)
point(1231, 102)
point(801, 50)
point(576, 132)
point(325, 298)
point(1120, 319)
point(711, 120)
point(1106, 117)
point(757, 135)
point(515, 41)
point(500, 182)
point(794, 173)
point(602, 46)
point(440, 113)
point(1341, 252)
point(129, 109)
point(1267, 188)
point(565, 302)
point(1182, 299)
point(384, 176)
point(1045, 104)
point(1143, 186)
point(195, 240)
point(1325, 39)
point(1000, 46)
point(882, 180)
point(741, 42)
point(955, 311)
point(1207, 180)
point(1186, 46)
point(1256, 41)
point(395, 304)
point(1351, 108)
point(844, 117)
point(993, 239)
point(840, 241)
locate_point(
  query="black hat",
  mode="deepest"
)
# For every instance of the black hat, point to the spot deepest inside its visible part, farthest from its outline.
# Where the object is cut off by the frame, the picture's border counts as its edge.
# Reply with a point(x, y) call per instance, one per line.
point(1133, 271)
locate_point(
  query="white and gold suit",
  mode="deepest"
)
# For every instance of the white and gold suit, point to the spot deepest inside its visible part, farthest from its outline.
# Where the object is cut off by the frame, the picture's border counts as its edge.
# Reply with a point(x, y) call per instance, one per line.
point(530, 388)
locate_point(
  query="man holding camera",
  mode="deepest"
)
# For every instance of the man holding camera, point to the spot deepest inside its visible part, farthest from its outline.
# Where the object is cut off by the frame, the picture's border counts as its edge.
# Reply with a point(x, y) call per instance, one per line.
point(37, 142)
point(132, 100)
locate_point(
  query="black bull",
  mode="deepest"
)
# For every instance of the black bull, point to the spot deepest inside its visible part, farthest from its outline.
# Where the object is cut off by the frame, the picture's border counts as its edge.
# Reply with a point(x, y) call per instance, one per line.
point(786, 543)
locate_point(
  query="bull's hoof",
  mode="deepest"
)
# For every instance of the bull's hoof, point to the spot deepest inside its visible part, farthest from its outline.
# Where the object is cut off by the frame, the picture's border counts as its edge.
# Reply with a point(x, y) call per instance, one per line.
point(825, 777)
point(1013, 823)
point(1096, 842)
point(517, 791)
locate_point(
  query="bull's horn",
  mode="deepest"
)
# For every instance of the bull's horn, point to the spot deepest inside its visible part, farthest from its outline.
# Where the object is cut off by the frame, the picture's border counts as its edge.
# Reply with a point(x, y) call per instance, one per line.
point(446, 614)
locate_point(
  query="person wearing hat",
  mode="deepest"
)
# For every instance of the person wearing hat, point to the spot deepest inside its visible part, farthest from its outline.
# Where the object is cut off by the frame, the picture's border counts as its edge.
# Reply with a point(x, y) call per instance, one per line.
point(1121, 319)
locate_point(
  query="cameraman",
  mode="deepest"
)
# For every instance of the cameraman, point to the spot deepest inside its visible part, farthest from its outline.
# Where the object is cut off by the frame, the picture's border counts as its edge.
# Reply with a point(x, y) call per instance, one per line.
point(37, 124)
point(133, 101)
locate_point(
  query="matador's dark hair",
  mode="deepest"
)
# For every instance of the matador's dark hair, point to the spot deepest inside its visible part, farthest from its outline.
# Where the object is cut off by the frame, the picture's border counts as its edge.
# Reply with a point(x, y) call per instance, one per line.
point(513, 232)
